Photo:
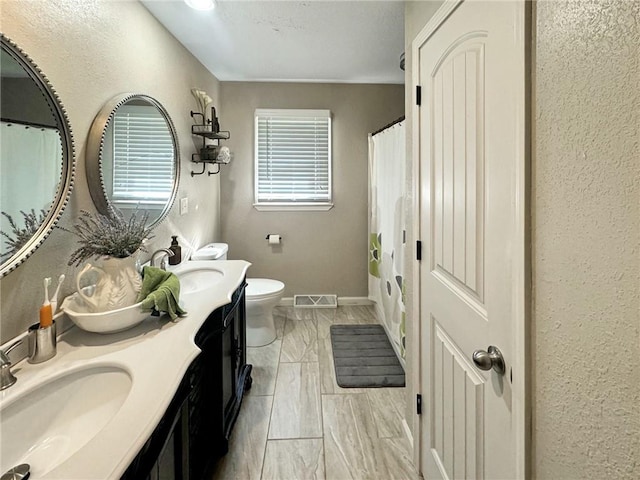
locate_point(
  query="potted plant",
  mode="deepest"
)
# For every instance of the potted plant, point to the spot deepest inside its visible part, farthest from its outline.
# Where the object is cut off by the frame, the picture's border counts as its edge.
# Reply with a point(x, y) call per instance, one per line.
point(115, 240)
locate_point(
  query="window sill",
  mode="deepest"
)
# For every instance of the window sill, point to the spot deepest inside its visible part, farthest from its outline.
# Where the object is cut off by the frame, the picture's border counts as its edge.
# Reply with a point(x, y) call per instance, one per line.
point(293, 207)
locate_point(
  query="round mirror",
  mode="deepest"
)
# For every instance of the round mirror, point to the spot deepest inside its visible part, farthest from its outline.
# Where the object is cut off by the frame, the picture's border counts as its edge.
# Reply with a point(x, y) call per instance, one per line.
point(133, 163)
point(36, 157)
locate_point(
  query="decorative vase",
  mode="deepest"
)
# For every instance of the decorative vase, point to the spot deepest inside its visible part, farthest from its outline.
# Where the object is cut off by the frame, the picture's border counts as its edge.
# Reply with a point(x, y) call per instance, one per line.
point(117, 286)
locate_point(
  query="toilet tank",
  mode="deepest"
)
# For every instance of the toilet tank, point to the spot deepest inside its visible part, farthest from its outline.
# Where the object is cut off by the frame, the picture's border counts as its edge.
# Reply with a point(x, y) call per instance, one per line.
point(212, 251)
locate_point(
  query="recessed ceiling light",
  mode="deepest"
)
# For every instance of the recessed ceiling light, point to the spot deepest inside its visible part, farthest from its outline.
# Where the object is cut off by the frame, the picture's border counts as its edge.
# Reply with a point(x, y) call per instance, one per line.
point(201, 4)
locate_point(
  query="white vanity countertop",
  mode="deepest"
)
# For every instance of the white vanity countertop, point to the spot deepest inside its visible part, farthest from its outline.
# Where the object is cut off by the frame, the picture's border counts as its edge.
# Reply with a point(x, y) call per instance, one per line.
point(156, 354)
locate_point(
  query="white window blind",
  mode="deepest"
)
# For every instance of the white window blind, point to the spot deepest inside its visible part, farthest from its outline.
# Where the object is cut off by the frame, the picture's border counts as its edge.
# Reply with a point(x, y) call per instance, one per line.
point(143, 156)
point(292, 157)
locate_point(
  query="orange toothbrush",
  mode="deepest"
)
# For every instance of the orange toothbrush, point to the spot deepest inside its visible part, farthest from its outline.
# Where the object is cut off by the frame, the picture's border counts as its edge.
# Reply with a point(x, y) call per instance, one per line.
point(46, 314)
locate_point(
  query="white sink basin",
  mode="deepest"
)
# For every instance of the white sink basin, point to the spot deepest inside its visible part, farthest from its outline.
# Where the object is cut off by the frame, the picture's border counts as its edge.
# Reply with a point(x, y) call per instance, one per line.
point(49, 423)
point(199, 279)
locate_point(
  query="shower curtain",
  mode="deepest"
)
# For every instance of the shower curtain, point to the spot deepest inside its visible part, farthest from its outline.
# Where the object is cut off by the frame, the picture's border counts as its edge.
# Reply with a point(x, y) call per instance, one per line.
point(29, 172)
point(387, 236)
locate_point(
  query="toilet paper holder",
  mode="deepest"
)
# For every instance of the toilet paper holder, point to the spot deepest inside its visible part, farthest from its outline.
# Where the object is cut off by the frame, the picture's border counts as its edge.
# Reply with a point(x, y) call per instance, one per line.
point(273, 236)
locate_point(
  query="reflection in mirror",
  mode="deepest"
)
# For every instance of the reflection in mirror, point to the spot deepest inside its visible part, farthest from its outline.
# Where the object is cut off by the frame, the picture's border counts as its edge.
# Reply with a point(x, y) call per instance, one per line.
point(132, 160)
point(36, 157)
point(31, 153)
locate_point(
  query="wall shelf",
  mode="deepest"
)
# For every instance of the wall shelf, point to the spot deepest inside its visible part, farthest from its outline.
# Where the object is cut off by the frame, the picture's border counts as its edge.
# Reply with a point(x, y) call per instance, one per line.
point(206, 131)
point(208, 154)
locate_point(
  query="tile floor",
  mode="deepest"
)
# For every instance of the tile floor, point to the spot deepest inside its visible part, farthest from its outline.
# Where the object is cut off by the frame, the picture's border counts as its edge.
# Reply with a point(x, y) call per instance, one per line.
point(297, 423)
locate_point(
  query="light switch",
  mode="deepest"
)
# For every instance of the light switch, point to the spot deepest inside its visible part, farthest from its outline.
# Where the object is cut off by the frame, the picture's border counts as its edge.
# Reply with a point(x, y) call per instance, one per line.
point(184, 206)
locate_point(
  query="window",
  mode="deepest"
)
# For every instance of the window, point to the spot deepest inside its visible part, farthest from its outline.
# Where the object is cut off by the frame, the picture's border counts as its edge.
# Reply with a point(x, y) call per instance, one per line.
point(143, 158)
point(292, 159)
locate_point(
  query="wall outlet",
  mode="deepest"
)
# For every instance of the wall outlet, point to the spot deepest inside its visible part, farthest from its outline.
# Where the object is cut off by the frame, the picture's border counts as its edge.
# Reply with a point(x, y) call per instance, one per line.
point(184, 206)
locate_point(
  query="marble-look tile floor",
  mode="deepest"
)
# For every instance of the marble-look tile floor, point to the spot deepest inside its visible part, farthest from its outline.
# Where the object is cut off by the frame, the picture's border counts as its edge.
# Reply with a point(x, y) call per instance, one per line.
point(297, 423)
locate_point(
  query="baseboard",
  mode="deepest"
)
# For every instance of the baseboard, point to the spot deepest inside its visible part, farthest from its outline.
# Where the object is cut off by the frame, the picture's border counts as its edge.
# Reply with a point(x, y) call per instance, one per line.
point(354, 301)
point(342, 301)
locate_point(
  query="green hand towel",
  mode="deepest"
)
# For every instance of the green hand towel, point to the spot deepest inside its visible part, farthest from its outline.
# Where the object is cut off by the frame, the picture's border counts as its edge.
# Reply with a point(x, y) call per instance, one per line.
point(161, 291)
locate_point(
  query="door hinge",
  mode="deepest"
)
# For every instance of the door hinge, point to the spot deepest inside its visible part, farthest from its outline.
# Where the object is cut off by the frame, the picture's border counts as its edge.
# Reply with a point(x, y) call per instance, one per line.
point(418, 95)
point(419, 404)
point(418, 250)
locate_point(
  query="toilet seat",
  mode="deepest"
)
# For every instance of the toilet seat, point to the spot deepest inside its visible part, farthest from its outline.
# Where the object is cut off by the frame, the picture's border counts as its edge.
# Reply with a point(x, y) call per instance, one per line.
point(260, 288)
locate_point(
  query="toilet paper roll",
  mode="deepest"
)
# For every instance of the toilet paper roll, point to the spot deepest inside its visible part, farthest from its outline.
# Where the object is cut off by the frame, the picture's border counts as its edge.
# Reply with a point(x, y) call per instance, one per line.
point(274, 239)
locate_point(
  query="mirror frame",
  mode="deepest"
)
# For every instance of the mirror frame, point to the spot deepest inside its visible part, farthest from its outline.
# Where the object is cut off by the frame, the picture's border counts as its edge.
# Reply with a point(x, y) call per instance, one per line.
point(95, 146)
point(68, 160)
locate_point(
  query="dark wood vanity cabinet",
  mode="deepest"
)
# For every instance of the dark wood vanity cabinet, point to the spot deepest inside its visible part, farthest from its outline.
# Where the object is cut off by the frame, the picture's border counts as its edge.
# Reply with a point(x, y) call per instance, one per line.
point(194, 432)
point(223, 376)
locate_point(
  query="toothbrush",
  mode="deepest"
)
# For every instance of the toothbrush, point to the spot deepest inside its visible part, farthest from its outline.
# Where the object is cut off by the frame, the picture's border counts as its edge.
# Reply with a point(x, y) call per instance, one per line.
point(54, 299)
point(46, 317)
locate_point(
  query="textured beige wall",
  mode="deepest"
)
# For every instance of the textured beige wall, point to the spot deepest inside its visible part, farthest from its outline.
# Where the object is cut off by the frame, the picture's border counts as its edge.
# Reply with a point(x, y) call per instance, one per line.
point(586, 240)
point(91, 51)
point(321, 252)
point(416, 16)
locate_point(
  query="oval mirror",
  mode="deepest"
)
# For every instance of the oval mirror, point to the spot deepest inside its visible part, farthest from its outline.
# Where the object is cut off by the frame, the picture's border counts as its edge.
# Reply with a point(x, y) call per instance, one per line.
point(37, 160)
point(132, 160)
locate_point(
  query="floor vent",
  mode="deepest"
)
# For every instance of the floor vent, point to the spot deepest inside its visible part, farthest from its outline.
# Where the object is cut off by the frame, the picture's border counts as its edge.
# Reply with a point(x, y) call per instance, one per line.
point(315, 301)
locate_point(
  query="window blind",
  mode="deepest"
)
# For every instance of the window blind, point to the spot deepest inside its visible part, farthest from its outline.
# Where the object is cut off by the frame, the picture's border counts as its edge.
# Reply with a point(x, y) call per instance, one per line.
point(293, 156)
point(143, 156)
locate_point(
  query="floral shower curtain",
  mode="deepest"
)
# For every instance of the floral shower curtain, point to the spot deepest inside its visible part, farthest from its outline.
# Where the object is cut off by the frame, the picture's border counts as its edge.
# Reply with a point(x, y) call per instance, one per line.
point(387, 230)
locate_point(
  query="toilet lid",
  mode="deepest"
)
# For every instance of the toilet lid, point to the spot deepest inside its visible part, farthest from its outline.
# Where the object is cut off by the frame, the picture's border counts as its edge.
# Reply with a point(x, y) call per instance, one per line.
point(263, 287)
point(212, 251)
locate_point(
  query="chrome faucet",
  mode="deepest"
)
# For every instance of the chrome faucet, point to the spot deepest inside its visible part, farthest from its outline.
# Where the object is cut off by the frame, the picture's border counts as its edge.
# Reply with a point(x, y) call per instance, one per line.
point(162, 253)
point(6, 377)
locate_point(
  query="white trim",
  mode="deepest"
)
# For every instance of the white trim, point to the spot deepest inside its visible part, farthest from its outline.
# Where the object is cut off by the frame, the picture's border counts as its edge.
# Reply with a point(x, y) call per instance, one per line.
point(522, 430)
point(286, 302)
point(446, 9)
point(291, 112)
point(354, 301)
point(292, 206)
point(414, 359)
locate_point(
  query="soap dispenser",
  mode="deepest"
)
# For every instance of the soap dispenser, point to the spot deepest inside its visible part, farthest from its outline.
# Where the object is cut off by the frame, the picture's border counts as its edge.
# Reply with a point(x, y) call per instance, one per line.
point(175, 247)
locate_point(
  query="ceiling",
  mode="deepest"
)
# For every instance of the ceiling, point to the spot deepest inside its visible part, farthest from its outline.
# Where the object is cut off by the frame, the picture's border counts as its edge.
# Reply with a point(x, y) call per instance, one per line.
point(308, 41)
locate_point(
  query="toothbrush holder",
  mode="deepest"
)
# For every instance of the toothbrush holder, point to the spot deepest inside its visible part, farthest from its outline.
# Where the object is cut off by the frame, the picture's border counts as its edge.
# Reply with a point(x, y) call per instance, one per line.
point(42, 343)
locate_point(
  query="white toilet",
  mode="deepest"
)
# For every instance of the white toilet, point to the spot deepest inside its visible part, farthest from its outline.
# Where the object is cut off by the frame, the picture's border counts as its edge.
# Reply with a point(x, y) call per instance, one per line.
point(262, 295)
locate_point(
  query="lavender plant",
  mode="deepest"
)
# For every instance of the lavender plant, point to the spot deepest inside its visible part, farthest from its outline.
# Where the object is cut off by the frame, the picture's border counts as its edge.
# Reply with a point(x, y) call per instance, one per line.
point(19, 236)
point(108, 235)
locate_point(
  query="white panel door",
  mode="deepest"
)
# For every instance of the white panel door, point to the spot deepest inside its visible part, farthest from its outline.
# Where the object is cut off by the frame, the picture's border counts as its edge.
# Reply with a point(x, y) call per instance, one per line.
point(470, 64)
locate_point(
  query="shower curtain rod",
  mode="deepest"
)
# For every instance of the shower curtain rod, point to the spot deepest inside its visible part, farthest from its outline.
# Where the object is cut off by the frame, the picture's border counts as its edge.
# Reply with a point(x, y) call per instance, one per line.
point(388, 126)
point(27, 124)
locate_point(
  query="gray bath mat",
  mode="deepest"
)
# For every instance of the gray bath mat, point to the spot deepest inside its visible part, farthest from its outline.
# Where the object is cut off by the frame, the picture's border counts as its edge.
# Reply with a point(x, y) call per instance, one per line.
point(364, 357)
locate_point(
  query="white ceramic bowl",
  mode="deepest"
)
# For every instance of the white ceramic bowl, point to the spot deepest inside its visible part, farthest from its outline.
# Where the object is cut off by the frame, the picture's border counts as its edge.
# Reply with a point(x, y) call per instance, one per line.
point(102, 322)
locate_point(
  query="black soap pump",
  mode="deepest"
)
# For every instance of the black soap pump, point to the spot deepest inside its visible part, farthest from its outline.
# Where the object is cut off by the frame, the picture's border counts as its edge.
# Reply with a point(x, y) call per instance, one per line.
point(175, 247)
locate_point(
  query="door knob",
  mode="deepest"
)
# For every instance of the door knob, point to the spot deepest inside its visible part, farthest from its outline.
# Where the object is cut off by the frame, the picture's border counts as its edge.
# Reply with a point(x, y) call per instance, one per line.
point(488, 360)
